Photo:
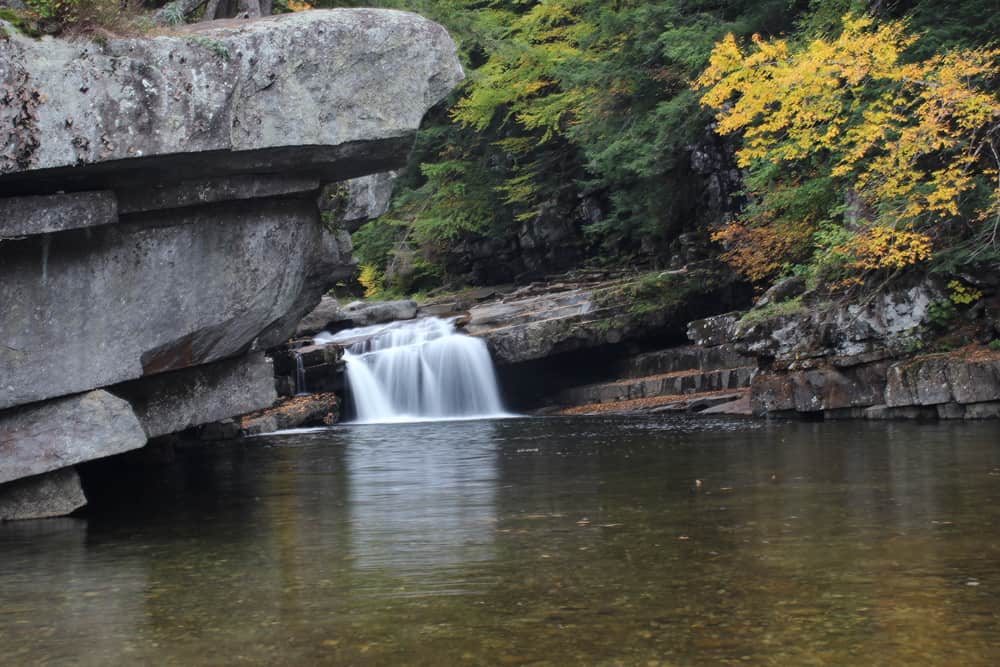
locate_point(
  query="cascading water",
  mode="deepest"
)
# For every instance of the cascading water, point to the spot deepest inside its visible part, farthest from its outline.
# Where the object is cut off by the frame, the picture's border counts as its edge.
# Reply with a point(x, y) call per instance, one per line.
point(418, 370)
point(300, 375)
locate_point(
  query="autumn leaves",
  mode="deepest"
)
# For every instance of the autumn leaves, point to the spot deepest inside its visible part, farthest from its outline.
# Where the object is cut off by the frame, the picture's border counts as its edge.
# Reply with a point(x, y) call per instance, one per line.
point(913, 144)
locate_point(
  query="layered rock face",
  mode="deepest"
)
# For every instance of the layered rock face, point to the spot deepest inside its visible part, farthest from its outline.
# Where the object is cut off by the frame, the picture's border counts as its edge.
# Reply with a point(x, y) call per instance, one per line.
point(537, 322)
point(161, 214)
point(857, 360)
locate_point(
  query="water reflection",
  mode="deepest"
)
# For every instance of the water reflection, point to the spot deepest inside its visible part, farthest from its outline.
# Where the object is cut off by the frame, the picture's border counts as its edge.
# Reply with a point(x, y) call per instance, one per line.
point(425, 505)
point(555, 541)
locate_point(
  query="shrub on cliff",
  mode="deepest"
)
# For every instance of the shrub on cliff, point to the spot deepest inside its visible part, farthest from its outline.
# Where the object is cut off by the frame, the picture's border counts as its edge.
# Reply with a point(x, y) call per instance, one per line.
point(80, 16)
point(857, 158)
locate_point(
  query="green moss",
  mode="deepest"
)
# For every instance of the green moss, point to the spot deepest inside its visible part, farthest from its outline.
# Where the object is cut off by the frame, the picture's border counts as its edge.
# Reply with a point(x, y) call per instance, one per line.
point(771, 311)
point(995, 344)
point(657, 292)
point(23, 22)
point(213, 45)
point(609, 324)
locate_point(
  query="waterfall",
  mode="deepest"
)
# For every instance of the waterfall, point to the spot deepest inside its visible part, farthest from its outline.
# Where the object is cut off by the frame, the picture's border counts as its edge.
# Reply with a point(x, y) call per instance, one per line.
point(417, 370)
point(300, 375)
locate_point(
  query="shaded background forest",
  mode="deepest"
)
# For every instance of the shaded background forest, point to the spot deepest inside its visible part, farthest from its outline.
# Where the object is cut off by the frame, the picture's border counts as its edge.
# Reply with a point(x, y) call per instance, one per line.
point(579, 138)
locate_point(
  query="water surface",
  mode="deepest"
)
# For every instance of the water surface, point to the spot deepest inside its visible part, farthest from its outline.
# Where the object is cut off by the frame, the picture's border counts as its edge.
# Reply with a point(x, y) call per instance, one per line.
point(533, 541)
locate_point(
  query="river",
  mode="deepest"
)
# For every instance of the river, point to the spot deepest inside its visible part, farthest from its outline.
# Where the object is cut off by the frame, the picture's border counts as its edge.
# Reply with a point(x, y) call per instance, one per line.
point(529, 541)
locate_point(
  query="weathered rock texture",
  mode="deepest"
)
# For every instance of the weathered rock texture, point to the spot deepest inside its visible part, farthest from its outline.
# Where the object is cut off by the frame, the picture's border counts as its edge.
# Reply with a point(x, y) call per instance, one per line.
point(335, 92)
point(792, 331)
point(178, 289)
point(533, 323)
point(22, 216)
point(177, 401)
point(52, 494)
point(352, 203)
point(160, 212)
point(313, 410)
point(58, 434)
point(858, 360)
point(329, 315)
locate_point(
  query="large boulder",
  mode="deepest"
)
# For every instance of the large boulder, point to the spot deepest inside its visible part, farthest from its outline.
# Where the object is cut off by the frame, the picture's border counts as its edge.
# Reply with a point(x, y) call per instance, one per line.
point(41, 438)
point(42, 496)
point(90, 309)
point(172, 402)
point(174, 266)
point(337, 93)
point(159, 217)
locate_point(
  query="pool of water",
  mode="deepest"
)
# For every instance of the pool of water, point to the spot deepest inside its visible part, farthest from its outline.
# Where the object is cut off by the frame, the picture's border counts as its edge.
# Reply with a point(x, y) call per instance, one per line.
point(529, 542)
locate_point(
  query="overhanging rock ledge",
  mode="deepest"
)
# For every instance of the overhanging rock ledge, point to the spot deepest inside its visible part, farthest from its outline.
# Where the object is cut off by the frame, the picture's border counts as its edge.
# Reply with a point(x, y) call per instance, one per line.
point(159, 206)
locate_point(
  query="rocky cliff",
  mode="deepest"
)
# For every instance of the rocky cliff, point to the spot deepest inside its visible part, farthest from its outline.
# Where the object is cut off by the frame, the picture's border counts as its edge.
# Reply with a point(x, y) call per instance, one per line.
point(160, 219)
point(904, 352)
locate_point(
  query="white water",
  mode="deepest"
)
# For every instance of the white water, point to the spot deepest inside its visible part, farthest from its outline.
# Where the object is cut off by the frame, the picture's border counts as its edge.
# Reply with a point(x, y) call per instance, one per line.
point(300, 376)
point(421, 370)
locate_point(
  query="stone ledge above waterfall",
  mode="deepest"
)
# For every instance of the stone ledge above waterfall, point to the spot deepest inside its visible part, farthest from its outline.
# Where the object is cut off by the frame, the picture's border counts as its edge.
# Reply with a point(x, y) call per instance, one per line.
point(306, 91)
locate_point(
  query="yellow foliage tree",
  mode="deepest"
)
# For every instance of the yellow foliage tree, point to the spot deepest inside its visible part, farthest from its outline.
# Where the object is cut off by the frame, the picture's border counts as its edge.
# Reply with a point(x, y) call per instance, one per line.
point(915, 141)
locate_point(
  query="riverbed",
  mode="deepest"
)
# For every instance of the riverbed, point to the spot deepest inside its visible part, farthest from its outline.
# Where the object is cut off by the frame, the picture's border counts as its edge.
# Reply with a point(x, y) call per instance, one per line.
point(547, 541)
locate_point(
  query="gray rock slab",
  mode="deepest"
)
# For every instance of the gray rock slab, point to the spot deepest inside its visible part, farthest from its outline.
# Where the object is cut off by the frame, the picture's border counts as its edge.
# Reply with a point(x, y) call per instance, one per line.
point(176, 401)
point(974, 381)
point(711, 331)
point(52, 494)
point(178, 289)
point(943, 378)
point(44, 214)
point(358, 200)
point(327, 311)
point(988, 410)
point(274, 91)
point(41, 438)
point(363, 314)
point(885, 325)
point(818, 390)
point(211, 190)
